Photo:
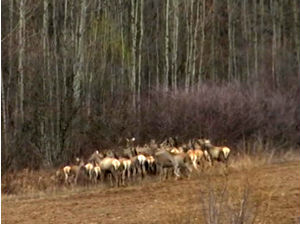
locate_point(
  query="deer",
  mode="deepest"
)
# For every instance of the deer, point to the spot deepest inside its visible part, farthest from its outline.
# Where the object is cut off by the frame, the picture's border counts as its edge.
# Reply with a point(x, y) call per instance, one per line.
point(150, 163)
point(191, 153)
point(195, 153)
point(73, 170)
point(125, 165)
point(107, 165)
point(215, 153)
point(165, 159)
point(138, 159)
point(110, 165)
point(96, 173)
point(89, 167)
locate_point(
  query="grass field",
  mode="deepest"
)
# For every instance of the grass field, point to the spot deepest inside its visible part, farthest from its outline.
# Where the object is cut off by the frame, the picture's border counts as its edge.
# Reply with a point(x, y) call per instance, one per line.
point(249, 191)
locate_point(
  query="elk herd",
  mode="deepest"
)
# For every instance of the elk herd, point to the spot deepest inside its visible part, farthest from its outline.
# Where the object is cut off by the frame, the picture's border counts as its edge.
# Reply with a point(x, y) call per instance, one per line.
point(151, 159)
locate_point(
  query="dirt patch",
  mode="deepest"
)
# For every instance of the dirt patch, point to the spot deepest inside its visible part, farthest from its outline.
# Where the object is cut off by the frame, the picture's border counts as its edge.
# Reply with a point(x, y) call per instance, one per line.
point(273, 197)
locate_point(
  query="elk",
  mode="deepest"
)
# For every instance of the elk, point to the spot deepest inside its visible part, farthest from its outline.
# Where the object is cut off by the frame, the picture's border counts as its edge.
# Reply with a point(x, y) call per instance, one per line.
point(215, 153)
point(125, 168)
point(191, 153)
point(95, 158)
point(150, 163)
point(110, 165)
point(138, 159)
point(164, 159)
point(89, 169)
point(73, 170)
point(138, 164)
point(96, 172)
point(176, 150)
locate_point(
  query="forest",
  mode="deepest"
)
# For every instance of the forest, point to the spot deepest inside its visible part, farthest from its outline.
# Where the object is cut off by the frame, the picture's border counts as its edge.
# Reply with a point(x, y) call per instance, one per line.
point(83, 75)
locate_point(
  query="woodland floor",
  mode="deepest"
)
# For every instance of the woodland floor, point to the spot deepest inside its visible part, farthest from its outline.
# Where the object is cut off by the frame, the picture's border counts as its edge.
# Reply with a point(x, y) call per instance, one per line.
point(273, 197)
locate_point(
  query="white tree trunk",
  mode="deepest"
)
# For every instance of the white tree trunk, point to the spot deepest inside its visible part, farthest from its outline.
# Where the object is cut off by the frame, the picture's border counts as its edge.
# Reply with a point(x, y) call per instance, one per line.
point(133, 51)
point(79, 76)
point(166, 75)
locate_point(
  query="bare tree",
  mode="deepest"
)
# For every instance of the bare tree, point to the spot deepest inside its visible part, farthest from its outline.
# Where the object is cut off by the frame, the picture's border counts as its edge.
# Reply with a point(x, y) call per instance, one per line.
point(255, 39)
point(202, 43)
point(21, 58)
point(141, 26)
point(274, 39)
point(166, 71)
point(297, 33)
point(175, 43)
point(133, 29)
point(79, 75)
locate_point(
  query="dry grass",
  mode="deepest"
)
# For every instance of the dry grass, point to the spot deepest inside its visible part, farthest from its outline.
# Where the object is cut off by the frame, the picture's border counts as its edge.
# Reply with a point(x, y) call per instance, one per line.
point(251, 190)
point(44, 181)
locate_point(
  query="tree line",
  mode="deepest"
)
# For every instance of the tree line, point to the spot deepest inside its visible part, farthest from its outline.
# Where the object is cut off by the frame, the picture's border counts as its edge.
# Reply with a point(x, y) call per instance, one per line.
point(80, 74)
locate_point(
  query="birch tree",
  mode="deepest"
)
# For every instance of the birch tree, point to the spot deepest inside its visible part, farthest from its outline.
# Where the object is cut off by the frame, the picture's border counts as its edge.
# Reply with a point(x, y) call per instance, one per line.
point(133, 21)
point(229, 9)
point(166, 72)
point(79, 75)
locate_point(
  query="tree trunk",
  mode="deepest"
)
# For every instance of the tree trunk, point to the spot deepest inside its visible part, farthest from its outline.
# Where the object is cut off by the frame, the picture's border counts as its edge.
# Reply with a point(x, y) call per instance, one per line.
point(166, 84)
point(4, 117)
point(195, 36)
point(78, 79)
point(200, 74)
point(297, 34)
point(262, 15)
point(157, 51)
point(140, 52)
point(246, 37)
point(133, 51)
point(57, 85)
point(175, 44)
point(274, 41)
point(255, 41)
point(21, 58)
point(212, 47)
point(10, 49)
point(229, 9)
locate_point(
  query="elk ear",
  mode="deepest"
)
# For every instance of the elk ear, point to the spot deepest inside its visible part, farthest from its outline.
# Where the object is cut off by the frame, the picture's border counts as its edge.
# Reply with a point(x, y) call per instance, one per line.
point(127, 139)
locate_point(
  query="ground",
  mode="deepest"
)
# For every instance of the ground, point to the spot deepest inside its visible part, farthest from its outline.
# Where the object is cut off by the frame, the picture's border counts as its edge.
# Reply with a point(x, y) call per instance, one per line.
point(268, 193)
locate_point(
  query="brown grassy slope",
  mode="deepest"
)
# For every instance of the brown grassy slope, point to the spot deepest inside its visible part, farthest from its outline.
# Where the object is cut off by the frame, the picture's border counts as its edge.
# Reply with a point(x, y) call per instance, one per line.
point(215, 196)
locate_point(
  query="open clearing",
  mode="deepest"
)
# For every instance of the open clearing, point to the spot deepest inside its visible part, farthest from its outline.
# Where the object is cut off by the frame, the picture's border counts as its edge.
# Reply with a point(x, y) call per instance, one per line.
point(274, 197)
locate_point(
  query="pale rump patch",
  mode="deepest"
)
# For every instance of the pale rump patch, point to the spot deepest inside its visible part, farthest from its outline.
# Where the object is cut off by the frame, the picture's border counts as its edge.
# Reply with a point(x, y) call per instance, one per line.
point(97, 170)
point(116, 163)
point(89, 166)
point(193, 157)
point(226, 151)
point(141, 158)
point(67, 169)
point(175, 151)
point(150, 159)
point(127, 164)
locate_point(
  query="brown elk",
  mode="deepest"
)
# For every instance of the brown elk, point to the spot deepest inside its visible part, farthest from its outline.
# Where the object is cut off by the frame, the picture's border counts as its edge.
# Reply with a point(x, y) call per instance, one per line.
point(73, 170)
point(164, 159)
point(215, 153)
